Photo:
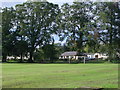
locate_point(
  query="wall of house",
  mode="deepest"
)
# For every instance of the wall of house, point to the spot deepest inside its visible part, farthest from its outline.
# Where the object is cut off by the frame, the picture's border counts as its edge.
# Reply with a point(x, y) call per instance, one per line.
point(69, 57)
point(101, 55)
point(12, 57)
point(89, 56)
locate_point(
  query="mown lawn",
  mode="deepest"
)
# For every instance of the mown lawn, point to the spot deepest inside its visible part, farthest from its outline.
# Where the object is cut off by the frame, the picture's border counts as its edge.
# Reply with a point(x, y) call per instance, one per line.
point(60, 75)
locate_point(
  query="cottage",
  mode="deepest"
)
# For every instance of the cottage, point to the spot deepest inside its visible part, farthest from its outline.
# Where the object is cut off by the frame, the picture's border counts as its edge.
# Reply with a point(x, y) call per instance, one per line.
point(72, 55)
point(90, 56)
point(17, 57)
point(101, 55)
point(96, 56)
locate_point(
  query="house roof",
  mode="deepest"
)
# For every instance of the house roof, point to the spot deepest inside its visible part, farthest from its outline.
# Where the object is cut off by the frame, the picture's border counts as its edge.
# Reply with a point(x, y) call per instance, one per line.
point(72, 53)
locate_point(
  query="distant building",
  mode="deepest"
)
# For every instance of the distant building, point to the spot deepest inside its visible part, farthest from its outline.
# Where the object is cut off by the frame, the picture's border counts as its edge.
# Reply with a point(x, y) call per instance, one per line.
point(72, 55)
point(75, 55)
point(90, 56)
point(101, 55)
point(12, 57)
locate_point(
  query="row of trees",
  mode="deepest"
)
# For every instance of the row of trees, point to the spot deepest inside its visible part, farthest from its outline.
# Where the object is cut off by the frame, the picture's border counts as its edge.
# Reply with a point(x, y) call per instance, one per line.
point(93, 27)
point(28, 28)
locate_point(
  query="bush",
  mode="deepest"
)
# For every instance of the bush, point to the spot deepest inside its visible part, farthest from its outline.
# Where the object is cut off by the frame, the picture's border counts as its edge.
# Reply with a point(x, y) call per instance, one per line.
point(95, 61)
point(12, 60)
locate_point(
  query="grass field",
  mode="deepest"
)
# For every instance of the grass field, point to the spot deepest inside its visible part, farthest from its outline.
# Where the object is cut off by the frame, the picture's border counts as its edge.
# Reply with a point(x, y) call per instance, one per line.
point(60, 75)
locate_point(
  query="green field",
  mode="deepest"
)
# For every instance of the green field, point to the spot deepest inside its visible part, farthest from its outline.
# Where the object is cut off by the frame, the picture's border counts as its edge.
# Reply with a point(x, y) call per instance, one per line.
point(60, 75)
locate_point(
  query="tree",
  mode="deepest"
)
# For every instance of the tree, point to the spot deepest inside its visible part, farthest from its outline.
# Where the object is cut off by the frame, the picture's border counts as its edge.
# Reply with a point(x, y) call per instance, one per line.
point(74, 19)
point(39, 55)
point(49, 52)
point(39, 23)
point(105, 25)
point(21, 49)
point(111, 23)
point(7, 37)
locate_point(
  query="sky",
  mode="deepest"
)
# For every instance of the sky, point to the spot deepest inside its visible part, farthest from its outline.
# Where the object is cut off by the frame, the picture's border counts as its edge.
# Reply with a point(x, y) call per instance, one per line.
point(14, 2)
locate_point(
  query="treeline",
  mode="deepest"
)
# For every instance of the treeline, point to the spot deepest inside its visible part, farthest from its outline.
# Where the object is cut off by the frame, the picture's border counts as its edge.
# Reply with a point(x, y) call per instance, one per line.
point(28, 29)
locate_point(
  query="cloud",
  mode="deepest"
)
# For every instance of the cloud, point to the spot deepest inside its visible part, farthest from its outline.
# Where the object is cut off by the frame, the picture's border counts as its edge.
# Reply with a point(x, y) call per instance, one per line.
point(12, 0)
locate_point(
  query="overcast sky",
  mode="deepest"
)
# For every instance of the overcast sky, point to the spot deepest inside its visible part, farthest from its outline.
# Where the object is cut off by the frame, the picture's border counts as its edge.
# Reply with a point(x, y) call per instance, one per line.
point(9, 3)
point(6, 3)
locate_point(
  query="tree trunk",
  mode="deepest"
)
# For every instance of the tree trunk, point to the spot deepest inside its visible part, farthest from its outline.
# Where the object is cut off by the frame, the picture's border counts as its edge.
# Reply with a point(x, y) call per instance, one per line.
point(110, 44)
point(80, 42)
point(110, 53)
point(4, 58)
point(31, 55)
point(21, 57)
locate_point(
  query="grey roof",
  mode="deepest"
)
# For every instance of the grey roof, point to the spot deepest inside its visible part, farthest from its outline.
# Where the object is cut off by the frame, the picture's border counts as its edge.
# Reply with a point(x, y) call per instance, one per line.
point(72, 53)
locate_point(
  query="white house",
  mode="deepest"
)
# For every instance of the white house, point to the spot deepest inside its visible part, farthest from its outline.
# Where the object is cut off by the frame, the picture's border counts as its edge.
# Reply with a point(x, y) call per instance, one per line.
point(75, 55)
point(12, 57)
point(90, 56)
point(101, 55)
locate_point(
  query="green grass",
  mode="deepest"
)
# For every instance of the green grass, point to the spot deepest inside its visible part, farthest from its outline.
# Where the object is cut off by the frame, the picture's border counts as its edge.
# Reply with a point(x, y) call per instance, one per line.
point(60, 75)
